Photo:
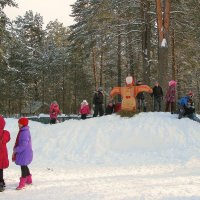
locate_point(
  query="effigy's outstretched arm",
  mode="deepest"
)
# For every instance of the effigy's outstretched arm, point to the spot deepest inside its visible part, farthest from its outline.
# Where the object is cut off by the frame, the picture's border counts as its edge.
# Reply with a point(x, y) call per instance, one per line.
point(115, 91)
point(142, 88)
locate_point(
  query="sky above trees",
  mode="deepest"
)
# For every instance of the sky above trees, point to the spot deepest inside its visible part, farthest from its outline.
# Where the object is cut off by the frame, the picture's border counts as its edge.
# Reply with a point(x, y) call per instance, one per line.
point(50, 10)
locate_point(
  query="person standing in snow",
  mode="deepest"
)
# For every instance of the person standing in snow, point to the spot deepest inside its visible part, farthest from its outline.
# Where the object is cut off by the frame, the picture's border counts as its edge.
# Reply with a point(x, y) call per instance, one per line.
point(186, 107)
point(98, 102)
point(171, 97)
point(157, 97)
point(4, 162)
point(141, 103)
point(23, 153)
point(84, 109)
point(54, 111)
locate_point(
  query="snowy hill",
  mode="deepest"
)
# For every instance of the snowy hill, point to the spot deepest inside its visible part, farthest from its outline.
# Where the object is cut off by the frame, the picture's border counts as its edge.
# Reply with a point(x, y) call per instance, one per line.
point(112, 158)
point(148, 137)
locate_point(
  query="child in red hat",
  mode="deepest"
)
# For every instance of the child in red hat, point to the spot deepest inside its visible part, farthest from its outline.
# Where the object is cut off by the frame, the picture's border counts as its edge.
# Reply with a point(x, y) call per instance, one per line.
point(4, 162)
point(23, 153)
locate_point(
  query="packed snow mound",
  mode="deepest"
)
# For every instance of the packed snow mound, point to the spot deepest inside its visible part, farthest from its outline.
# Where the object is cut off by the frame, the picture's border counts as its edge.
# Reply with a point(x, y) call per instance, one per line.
point(145, 138)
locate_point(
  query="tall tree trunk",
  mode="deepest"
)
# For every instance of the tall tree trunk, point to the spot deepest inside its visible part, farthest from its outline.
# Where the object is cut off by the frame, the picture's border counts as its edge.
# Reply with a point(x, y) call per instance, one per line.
point(94, 68)
point(130, 51)
point(36, 96)
point(20, 106)
point(174, 70)
point(74, 109)
point(198, 88)
point(163, 66)
point(163, 21)
point(119, 69)
point(159, 21)
point(64, 87)
point(43, 87)
point(101, 69)
point(146, 36)
point(9, 107)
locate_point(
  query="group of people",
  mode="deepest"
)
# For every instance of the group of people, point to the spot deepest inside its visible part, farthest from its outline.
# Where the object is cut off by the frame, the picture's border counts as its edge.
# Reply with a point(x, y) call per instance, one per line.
point(22, 152)
point(98, 101)
point(185, 105)
point(157, 98)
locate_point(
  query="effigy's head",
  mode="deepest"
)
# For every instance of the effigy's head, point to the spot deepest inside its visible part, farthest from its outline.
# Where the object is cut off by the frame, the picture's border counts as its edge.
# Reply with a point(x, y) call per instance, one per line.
point(129, 81)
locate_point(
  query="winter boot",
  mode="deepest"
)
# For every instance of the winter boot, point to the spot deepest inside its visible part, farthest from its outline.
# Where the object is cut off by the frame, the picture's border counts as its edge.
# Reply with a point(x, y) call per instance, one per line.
point(21, 184)
point(1, 187)
point(29, 179)
point(4, 185)
point(2, 182)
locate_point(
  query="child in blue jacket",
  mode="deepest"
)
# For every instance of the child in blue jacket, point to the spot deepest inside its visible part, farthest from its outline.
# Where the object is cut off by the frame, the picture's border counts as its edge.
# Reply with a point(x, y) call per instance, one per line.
point(186, 107)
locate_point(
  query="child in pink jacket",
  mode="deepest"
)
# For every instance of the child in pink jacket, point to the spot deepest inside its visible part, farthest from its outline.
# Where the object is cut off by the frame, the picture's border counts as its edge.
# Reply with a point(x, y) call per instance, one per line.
point(84, 109)
point(54, 111)
point(171, 97)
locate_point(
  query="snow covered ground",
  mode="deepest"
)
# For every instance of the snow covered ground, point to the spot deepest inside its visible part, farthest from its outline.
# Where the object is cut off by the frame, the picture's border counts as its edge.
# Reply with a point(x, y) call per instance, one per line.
point(152, 156)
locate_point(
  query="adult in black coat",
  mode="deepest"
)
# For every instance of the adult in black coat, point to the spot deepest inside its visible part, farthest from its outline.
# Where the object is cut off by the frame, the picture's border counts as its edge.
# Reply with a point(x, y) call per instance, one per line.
point(98, 102)
point(157, 97)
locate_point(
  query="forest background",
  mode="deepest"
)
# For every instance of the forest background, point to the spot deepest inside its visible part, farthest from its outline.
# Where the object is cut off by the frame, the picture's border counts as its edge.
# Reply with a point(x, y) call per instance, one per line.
point(148, 39)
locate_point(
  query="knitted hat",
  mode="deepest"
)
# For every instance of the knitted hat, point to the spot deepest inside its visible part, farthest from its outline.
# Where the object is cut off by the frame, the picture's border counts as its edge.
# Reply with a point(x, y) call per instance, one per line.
point(172, 83)
point(23, 121)
point(100, 89)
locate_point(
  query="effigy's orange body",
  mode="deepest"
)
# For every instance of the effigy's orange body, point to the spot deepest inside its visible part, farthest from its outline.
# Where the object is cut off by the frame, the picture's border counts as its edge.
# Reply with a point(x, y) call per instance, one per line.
point(129, 94)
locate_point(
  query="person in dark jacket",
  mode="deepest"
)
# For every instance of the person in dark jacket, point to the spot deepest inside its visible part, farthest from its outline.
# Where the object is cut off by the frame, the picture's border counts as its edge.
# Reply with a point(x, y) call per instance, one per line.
point(110, 108)
point(186, 107)
point(157, 97)
point(98, 102)
point(141, 103)
point(23, 153)
point(4, 162)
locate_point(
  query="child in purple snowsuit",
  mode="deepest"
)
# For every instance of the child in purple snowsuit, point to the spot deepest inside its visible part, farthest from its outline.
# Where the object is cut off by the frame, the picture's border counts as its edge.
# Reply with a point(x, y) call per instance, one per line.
point(23, 153)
